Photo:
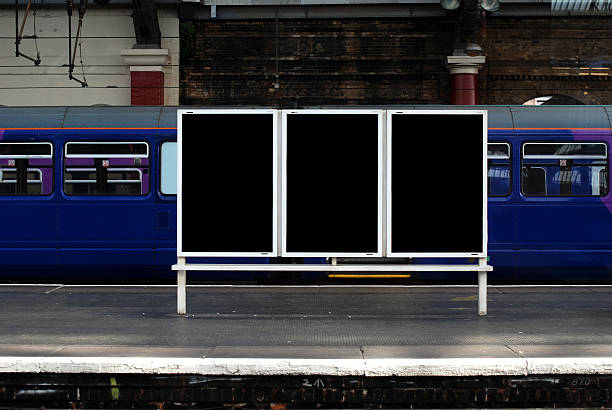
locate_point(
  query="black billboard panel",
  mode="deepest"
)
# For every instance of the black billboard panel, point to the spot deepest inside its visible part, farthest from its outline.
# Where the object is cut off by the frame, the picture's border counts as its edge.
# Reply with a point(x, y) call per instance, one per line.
point(436, 194)
point(332, 183)
point(227, 183)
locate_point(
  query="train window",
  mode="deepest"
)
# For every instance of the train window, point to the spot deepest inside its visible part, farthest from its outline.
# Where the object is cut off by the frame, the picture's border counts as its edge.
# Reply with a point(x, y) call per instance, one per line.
point(21, 150)
point(496, 150)
point(534, 181)
point(26, 168)
point(168, 168)
point(498, 159)
point(106, 168)
point(565, 169)
point(546, 150)
point(107, 149)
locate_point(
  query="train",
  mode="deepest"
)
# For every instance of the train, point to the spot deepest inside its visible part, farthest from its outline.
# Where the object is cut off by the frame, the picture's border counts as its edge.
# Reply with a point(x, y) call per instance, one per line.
point(89, 194)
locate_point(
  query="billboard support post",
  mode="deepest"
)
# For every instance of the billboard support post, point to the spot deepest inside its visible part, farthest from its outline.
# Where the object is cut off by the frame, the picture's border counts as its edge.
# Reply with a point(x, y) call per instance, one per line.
point(482, 287)
point(181, 292)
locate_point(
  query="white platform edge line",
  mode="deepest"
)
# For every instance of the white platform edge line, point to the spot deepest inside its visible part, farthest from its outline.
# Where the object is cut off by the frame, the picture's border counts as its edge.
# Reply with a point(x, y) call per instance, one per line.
point(332, 367)
point(296, 286)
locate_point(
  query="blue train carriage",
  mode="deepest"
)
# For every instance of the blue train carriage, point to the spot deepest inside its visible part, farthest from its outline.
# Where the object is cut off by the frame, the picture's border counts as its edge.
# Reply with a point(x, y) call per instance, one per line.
point(550, 205)
point(86, 192)
point(89, 193)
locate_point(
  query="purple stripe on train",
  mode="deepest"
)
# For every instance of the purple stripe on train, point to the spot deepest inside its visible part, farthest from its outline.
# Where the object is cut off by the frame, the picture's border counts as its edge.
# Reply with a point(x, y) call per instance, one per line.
point(597, 135)
point(127, 161)
point(41, 162)
point(33, 162)
point(112, 162)
point(79, 161)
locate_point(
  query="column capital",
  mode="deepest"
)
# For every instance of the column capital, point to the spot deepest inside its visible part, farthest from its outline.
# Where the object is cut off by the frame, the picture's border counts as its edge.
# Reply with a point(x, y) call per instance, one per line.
point(146, 74)
point(145, 59)
point(464, 64)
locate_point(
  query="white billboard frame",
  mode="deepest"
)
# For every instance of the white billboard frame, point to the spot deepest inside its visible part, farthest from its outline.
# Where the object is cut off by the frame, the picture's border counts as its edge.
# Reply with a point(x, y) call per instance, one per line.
point(179, 187)
point(388, 193)
point(279, 219)
point(380, 222)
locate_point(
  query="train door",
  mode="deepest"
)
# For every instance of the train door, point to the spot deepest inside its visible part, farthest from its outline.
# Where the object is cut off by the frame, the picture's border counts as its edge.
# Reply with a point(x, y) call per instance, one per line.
point(563, 220)
point(165, 212)
point(107, 221)
point(501, 209)
point(28, 208)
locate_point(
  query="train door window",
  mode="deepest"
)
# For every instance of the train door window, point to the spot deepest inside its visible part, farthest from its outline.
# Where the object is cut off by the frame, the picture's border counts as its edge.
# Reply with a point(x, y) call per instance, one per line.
point(168, 168)
point(106, 168)
point(26, 168)
point(565, 169)
point(534, 181)
point(498, 160)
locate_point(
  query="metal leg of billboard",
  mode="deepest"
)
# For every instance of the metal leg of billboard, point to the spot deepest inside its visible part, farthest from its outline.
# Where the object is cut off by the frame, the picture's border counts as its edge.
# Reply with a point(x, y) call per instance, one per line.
point(181, 293)
point(482, 287)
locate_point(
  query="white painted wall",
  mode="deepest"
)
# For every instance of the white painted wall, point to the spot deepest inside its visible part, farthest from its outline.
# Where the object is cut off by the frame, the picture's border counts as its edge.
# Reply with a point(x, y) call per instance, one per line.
point(106, 31)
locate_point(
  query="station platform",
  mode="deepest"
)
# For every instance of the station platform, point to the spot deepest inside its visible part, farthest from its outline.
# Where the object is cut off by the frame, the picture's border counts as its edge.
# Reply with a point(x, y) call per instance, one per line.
point(306, 330)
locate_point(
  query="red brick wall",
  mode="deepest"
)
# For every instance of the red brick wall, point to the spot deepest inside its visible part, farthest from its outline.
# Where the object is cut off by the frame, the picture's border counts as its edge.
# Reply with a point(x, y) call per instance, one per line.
point(388, 61)
point(147, 87)
point(530, 57)
point(354, 61)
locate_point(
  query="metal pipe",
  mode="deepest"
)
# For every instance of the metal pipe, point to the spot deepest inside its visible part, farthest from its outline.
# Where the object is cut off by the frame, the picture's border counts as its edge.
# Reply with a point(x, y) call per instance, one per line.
point(69, 42)
point(76, 39)
point(25, 17)
point(17, 28)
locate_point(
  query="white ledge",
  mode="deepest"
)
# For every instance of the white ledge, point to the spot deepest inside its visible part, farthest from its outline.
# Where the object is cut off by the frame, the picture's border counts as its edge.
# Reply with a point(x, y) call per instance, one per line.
point(464, 64)
point(145, 56)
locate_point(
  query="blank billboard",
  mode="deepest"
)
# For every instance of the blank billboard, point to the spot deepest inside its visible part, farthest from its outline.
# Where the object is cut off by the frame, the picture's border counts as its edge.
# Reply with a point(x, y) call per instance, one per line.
point(332, 183)
point(227, 195)
point(436, 183)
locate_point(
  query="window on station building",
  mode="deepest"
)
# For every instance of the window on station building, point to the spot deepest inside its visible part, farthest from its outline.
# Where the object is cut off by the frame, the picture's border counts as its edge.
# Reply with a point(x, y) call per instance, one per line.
point(565, 169)
point(26, 168)
point(106, 168)
point(555, 99)
point(499, 164)
point(168, 168)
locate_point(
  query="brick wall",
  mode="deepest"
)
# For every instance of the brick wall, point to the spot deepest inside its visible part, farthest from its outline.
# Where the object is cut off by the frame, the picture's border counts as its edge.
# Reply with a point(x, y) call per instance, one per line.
point(389, 61)
point(531, 57)
point(358, 61)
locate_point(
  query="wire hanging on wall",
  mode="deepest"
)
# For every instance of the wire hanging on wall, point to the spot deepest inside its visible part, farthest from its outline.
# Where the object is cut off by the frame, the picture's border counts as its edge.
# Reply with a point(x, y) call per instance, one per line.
point(19, 32)
point(77, 41)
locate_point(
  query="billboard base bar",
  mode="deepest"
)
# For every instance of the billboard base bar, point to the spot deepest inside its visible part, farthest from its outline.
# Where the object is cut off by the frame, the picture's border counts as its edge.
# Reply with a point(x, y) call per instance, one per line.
point(182, 267)
point(332, 268)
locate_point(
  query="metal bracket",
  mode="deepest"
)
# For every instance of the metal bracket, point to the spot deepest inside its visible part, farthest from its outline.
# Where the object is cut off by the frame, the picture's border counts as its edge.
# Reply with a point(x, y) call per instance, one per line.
point(19, 33)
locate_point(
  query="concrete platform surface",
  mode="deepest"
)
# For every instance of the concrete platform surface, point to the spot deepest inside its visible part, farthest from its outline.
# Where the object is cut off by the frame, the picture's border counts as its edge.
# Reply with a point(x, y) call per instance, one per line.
point(331, 330)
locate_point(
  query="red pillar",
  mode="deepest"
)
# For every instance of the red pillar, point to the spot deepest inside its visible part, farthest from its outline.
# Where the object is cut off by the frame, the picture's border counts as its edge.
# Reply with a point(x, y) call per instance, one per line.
point(464, 78)
point(147, 87)
point(146, 74)
point(464, 89)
